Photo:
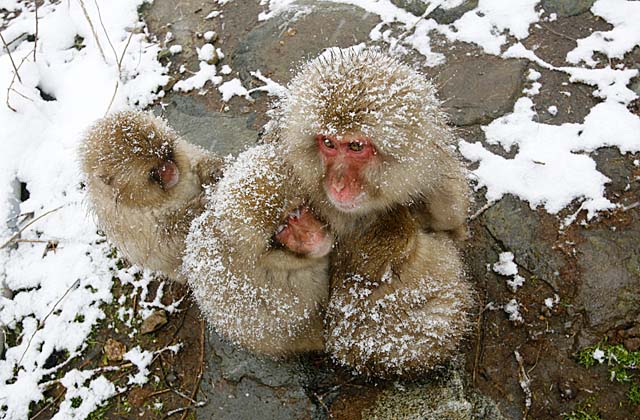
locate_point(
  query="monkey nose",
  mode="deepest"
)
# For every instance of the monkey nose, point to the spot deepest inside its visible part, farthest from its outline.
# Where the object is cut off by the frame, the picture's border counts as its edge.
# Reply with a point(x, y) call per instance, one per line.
point(338, 185)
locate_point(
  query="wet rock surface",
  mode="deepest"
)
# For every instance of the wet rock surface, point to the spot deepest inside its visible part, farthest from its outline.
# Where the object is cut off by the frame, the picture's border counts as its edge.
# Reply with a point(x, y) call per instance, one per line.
point(593, 269)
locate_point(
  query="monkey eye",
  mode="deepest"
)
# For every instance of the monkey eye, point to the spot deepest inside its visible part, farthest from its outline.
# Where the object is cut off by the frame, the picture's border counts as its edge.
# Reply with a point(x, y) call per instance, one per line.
point(356, 146)
point(154, 174)
point(328, 143)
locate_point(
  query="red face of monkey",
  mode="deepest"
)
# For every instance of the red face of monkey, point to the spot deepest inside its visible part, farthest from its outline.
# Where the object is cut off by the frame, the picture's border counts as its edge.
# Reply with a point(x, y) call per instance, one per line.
point(345, 158)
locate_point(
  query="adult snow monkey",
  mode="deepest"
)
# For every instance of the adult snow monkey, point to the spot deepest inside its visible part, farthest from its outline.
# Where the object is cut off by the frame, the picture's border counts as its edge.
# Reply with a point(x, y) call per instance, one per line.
point(257, 258)
point(145, 186)
point(365, 136)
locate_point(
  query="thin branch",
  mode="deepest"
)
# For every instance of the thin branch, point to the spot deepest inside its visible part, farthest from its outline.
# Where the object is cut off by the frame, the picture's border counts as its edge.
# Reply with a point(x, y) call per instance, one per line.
point(115, 54)
point(35, 40)
point(13, 63)
point(481, 210)
point(17, 234)
point(196, 386)
point(93, 30)
point(119, 60)
point(41, 323)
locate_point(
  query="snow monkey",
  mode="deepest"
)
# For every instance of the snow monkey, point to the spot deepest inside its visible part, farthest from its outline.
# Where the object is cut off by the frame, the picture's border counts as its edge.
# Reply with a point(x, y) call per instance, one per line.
point(365, 136)
point(257, 258)
point(145, 186)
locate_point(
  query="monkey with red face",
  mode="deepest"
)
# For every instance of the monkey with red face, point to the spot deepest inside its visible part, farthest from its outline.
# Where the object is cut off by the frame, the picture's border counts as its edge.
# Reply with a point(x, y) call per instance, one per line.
point(145, 186)
point(365, 136)
point(257, 258)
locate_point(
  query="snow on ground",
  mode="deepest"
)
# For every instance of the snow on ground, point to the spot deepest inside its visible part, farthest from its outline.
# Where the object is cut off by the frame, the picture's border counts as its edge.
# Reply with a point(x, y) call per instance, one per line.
point(550, 168)
point(58, 267)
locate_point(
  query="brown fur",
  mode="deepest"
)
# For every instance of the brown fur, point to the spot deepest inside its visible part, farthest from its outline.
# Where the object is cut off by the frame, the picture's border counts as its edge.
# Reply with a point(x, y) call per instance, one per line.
point(256, 294)
point(145, 221)
point(399, 301)
point(398, 298)
point(371, 93)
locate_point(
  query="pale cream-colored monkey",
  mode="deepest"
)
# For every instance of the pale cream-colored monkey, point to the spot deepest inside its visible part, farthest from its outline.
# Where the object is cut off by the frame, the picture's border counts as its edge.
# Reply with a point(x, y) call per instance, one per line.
point(365, 137)
point(145, 186)
point(257, 258)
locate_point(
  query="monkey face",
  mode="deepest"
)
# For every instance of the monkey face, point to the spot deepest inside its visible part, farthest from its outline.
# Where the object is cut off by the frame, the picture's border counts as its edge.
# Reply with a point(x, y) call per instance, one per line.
point(346, 160)
point(302, 233)
point(135, 156)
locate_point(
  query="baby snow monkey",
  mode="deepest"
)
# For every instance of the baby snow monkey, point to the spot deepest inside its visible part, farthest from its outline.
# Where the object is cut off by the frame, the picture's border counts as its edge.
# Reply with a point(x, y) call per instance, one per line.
point(145, 186)
point(257, 258)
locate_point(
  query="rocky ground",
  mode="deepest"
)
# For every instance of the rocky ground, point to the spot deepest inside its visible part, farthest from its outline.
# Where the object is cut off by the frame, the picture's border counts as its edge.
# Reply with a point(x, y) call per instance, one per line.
point(594, 268)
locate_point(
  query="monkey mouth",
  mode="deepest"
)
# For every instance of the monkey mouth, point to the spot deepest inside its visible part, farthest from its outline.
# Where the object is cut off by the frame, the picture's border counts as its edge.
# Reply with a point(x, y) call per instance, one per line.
point(348, 206)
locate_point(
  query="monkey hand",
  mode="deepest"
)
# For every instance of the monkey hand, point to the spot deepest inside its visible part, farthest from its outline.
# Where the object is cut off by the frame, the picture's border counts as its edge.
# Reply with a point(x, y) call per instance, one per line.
point(302, 233)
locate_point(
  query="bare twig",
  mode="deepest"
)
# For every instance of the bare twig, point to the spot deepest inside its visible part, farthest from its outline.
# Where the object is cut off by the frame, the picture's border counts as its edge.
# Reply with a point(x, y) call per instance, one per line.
point(525, 384)
point(430, 8)
point(481, 210)
point(41, 323)
point(13, 80)
point(631, 206)
point(17, 234)
point(200, 369)
point(115, 54)
point(13, 63)
point(35, 40)
point(93, 30)
point(119, 60)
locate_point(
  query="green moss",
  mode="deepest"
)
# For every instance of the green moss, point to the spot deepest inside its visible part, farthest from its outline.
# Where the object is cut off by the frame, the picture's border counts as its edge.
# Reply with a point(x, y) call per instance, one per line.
point(585, 410)
point(76, 402)
point(620, 362)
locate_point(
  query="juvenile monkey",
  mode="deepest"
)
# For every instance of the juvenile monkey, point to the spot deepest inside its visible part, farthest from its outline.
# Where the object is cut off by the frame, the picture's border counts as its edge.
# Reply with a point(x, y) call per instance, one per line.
point(256, 259)
point(365, 136)
point(145, 186)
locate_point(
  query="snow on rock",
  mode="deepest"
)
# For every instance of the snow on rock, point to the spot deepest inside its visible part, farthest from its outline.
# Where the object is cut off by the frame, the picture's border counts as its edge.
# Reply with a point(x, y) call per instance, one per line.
point(207, 73)
point(206, 52)
point(549, 169)
point(232, 88)
point(59, 293)
point(512, 308)
point(624, 16)
point(488, 24)
point(507, 267)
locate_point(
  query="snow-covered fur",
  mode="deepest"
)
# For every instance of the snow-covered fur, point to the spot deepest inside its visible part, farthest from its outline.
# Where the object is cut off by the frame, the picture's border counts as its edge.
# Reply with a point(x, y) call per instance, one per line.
point(369, 92)
point(399, 299)
point(145, 221)
point(256, 294)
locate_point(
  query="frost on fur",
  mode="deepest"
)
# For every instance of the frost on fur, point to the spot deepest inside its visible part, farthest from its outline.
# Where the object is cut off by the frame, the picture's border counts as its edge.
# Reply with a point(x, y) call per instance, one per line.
point(266, 309)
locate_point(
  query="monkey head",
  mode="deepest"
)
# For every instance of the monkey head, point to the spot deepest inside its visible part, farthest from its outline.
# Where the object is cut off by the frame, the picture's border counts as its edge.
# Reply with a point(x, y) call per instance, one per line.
point(134, 154)
point(362, 127)
point(302, 233)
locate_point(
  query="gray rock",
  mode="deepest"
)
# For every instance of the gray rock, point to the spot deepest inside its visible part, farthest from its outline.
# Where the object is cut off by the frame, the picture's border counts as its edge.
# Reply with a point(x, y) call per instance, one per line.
point(239, 385)
point(281, 42)
point(216, 131)
point(446, 398)
point(448, 16)
point(635, 85)
point(567, 7)
point(610, 263)
point(440, 15)
point(476, 90)
point(513, 224)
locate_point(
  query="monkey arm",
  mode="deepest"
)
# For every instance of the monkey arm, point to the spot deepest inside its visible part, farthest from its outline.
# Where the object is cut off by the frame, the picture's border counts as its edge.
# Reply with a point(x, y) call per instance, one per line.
point(445, 207)
point(399, 300)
